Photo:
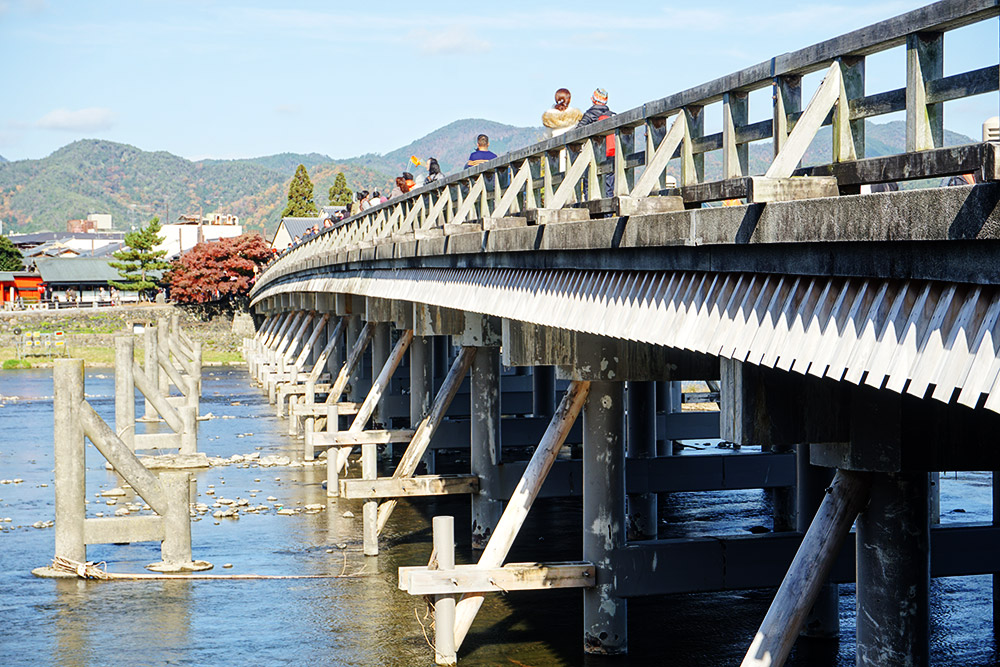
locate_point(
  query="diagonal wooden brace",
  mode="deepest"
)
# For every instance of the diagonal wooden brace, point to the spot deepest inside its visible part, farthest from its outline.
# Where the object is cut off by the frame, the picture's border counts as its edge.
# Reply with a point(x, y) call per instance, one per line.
point(425, 431)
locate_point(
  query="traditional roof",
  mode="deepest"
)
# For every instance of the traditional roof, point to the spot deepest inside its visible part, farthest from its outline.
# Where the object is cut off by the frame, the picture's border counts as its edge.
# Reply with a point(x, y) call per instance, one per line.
point(76, 270)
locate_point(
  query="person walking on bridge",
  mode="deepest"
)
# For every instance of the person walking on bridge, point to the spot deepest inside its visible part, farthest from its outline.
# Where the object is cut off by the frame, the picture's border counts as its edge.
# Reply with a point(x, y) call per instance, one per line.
point(599, 111)
point(482, 153)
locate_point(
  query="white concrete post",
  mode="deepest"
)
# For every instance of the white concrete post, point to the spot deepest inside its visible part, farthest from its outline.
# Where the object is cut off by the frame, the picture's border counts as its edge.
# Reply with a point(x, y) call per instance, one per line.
point(444, 605)
point(70, 470)
point(175, 550)
point(124, 390)
point(152, 367)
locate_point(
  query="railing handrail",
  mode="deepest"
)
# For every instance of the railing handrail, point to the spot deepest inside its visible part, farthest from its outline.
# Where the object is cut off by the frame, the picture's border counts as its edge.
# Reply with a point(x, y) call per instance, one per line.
point(935, 18)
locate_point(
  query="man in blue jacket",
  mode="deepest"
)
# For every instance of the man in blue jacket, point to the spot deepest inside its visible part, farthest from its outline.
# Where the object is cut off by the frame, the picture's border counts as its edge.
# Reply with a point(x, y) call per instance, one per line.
point(600, 111)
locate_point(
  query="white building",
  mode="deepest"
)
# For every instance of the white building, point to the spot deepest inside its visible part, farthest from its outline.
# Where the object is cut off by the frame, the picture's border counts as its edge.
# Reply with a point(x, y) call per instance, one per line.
point(188, 231)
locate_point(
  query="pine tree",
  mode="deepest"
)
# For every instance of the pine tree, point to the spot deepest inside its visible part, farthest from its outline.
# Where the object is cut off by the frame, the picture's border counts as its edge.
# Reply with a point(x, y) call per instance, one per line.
point(339, 194)
point(11, 258)
point(300, 196)
point(138, 258)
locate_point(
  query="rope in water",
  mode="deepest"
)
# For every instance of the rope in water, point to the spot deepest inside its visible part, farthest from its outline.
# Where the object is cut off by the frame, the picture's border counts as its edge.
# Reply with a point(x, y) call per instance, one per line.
point(99, 571)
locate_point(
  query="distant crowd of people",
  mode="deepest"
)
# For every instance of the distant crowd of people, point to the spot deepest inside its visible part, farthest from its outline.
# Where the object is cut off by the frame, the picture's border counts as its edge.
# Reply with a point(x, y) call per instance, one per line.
point(557, 120)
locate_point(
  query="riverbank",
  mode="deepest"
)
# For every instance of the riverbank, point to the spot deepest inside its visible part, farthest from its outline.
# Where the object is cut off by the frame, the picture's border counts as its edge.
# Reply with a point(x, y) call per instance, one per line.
point(89, 332)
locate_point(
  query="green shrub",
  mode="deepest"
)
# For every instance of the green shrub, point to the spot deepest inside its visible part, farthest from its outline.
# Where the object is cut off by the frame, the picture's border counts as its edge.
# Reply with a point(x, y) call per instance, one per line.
point(12, 364)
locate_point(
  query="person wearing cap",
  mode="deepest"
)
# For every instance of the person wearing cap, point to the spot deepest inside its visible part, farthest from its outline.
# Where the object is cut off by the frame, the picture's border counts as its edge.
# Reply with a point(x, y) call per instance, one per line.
point(599, 111)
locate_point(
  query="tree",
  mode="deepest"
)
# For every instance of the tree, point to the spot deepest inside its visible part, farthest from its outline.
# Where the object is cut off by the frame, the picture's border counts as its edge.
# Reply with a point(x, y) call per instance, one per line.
point(218, 271)
point(138, 259)
point(300, 196)
point(339, 194)
point(11, 258)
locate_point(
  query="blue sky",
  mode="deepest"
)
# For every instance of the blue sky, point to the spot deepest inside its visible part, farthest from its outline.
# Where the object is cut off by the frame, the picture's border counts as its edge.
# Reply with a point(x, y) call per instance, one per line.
point(229, 80)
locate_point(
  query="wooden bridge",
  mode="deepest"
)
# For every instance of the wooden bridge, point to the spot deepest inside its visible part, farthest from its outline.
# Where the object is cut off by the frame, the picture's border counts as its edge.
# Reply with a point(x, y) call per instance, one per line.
point(854, 336)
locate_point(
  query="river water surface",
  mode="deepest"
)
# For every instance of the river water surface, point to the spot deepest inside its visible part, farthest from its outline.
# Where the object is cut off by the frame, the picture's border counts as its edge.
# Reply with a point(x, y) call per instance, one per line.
point(363, 619)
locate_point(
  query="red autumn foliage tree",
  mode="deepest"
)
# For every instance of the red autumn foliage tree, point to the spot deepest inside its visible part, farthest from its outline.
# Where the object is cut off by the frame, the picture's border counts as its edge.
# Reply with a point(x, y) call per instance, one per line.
point(220, 270)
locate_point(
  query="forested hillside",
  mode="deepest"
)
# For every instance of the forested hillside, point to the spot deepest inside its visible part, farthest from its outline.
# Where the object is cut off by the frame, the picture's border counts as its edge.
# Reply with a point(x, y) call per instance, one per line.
point(91, 176)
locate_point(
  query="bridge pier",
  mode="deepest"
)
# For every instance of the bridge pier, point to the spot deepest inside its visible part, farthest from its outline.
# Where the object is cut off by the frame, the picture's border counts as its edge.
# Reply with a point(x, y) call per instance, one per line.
point(641, 444)
point(823, 620)
point(605, 616)
point(893, 570)
point(486, 450)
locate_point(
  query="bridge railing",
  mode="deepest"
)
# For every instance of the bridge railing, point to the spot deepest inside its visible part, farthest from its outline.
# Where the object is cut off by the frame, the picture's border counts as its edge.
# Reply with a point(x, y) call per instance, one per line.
point(565, 174)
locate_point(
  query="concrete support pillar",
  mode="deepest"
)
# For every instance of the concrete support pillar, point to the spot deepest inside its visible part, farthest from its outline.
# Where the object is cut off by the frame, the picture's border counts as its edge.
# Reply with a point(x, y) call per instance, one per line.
point(641, 444)
point(668, 401)
point(485, 454)
point(440, 359)
point(175, 550)
point(783, 503)
point(812, 482)
point(605, 616)
point(381, 346)
point(893, 570)
point(163, 340)
point(996, 577)
point(543, 390)
point(151, 366)
point(369, 522)
point(445, 651)
point(70, 448)
point(422, 385)
point(336, 358)
point(357, 382)
point(124, 390)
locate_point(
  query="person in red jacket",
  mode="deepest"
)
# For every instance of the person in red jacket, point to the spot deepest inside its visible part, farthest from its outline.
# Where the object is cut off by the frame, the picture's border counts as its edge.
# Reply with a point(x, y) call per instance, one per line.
point(599, 111)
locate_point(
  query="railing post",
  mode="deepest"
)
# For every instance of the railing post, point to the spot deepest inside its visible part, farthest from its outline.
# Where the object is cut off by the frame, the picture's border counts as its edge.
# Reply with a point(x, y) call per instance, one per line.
point(692, 164)
point(125, 390)
point(70, 450)
point(924, 63)
point(735, 113)
point(787, 99)
point(848, 135)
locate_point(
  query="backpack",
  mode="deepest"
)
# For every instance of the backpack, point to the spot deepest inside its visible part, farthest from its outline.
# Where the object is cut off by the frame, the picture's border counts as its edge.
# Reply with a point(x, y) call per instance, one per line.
point(609, 143)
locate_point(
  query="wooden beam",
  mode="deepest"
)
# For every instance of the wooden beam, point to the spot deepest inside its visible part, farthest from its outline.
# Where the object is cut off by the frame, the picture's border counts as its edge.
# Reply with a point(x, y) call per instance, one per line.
point(379, 386)
point(524, 496)
point(510, 577)
point(371, 437)
point(823, 100)
point(406, 487)
point(847, 495)
point(117, 530)
point(425, 431)
point(353, 359)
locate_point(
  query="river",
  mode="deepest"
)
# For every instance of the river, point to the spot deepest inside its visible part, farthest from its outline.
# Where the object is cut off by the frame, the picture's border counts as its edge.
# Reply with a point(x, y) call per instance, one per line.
point(361, 618)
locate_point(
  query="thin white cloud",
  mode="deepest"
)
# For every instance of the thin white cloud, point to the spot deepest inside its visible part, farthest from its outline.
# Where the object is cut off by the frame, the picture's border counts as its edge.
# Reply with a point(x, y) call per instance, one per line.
point(450, 41)
point(81, 120)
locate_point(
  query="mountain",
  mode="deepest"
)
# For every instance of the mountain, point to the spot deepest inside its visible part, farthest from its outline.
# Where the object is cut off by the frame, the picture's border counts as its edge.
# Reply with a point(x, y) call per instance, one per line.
point(91, 176)
point(3, 159)
point(452, 144)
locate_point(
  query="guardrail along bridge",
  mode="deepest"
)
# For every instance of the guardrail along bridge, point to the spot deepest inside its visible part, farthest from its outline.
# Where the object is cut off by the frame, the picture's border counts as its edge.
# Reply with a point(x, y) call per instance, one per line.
point(853, 335)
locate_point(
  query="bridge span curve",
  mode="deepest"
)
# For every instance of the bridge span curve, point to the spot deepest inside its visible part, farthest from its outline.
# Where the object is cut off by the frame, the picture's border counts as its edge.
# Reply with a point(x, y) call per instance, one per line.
point(855, 332)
